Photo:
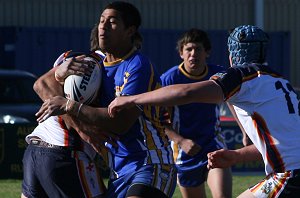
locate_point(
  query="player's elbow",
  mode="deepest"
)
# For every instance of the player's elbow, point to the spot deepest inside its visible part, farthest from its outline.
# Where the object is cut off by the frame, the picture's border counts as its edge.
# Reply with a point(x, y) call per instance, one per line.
point(37, 86)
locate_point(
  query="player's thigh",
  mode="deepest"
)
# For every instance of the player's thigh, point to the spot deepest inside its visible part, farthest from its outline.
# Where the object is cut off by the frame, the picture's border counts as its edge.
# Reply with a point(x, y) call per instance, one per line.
point(144, 191)
point(160, 177)
point(191, 180)
point(220, 182)
point(282, 185)
point(191, 176)
point(246, 194)
point(31, 186)
point(90, 176)
point(193, 192)
point(59, 173)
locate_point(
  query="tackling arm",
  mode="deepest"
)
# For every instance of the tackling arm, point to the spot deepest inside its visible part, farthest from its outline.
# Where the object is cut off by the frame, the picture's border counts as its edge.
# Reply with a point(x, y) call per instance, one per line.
point(46, 86)
point(204, 92)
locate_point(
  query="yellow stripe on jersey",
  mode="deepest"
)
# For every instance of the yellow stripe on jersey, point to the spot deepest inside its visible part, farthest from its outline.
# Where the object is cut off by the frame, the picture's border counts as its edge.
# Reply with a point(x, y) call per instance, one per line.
point(175, 151)
point(164, 177)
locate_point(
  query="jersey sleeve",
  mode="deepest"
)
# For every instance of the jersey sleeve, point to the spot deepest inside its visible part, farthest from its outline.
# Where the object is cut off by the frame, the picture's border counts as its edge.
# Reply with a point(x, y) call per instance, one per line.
point(230, 81)
point(164, 80)
point(139, 77)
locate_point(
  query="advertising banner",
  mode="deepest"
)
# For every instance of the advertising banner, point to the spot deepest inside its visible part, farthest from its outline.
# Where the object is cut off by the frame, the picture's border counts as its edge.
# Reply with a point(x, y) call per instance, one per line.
point(12, 146)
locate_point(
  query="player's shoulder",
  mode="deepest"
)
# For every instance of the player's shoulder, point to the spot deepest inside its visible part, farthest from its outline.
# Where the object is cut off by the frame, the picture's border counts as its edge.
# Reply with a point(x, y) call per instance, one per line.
point(248, 70)
point(170, 73)
point(136, 58)
point(171, 70)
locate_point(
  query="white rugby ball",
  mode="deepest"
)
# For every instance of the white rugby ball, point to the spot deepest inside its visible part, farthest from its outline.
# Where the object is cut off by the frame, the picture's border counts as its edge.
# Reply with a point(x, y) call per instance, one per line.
point(84, 89)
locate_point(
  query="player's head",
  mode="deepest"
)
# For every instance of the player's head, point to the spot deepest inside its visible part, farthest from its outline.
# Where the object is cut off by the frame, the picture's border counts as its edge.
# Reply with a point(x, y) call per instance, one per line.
point(129, 13)
point(194, 36)
point(94, 42)
point(130, 16)
point(247, 44)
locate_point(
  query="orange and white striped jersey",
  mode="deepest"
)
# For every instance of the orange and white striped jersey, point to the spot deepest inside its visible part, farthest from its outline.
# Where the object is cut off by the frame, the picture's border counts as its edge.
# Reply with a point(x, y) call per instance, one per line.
point(268, 109)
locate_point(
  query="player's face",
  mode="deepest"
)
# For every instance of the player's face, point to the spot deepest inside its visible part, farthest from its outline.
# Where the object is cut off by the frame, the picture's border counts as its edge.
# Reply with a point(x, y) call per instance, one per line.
point(112, 33)
point(194, 57)
point(230, 60)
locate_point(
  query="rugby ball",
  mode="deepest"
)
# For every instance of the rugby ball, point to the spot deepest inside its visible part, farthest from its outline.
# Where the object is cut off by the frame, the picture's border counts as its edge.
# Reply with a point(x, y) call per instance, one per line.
point(84, 89)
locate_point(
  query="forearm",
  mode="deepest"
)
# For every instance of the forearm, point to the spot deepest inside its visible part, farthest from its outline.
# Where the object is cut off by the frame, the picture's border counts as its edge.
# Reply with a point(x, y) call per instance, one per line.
point(100, 117)
point(247, 153)
point(46, 86)
point(204, 92)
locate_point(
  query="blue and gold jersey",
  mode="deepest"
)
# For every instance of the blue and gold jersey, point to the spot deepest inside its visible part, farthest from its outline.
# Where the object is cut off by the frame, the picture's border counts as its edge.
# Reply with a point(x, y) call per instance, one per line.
point(196, 121)
point(145, 142)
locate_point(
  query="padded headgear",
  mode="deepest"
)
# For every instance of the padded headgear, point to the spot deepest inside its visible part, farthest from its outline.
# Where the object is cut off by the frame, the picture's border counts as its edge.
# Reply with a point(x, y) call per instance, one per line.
point(247, 44)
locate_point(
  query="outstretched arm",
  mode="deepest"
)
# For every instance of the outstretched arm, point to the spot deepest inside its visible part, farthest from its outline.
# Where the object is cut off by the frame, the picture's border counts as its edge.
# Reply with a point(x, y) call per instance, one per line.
point(225, 158)
point(204, 92)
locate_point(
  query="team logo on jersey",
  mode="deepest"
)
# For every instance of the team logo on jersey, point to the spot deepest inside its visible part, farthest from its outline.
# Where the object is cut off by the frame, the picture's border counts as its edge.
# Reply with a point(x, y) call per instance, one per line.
point(119, 89)
point(266, 188)
point(217, 75)
point(164, 175)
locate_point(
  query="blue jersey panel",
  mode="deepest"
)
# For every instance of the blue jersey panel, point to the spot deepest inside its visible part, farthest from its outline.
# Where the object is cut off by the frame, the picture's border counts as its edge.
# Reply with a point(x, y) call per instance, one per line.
point(196, 121)
point(145, 142)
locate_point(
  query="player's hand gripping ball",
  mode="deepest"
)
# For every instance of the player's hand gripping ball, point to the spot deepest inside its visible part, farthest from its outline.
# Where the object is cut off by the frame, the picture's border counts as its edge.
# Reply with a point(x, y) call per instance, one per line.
point(84, 89)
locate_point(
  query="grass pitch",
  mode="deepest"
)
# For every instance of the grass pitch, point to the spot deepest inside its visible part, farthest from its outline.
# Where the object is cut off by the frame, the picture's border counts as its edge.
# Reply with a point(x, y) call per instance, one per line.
point(10, 188)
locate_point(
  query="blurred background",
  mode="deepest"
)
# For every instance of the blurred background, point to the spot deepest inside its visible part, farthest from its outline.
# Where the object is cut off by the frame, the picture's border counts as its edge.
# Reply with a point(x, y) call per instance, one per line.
point(34, 32)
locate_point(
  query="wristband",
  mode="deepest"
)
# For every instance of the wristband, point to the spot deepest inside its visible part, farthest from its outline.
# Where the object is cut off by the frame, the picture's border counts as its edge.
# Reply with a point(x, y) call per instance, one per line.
point(79, 110)
point(66, 109)
point(57, 77)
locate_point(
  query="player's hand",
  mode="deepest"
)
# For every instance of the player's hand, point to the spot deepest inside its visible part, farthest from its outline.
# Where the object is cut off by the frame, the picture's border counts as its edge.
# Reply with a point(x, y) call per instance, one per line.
point(189, 146)
point(221, 158)
point(118, 104)
point(76, 65)
point(98, 140)
point(92, 134)
point(51, 107)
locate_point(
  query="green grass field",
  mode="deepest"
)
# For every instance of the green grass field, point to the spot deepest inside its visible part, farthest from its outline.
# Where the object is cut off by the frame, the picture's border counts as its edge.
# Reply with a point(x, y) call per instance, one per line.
point(12, 188)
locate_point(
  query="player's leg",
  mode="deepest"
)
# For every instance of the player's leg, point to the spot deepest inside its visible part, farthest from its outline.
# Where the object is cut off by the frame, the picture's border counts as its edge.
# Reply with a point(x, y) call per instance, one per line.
point(220, 182)
point(90, 176)
point(192, 192)
point(144, 191)
point(191, 180)
point(283, 185)
point(58, 173)
point(30, 184)
point(246, 194)
point(153, 181)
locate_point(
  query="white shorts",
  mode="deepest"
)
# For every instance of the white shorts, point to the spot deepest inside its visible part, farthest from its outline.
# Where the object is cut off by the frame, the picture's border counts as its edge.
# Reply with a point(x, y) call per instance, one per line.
point(275, 185)
point(89, 174)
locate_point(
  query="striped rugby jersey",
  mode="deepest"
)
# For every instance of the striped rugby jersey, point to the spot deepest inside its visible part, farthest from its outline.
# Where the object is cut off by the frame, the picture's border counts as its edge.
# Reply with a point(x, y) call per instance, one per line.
point(145, 142)
point(268, 109)
point(54, 130)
